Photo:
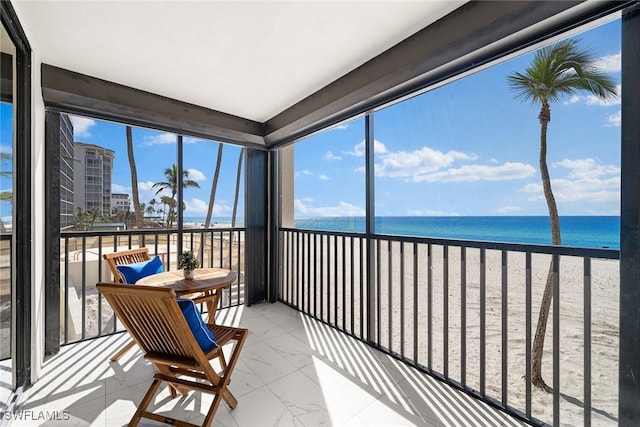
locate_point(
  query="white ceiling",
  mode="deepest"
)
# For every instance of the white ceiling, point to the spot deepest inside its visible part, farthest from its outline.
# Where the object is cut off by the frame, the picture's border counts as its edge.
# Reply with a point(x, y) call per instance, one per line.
point(250, 59)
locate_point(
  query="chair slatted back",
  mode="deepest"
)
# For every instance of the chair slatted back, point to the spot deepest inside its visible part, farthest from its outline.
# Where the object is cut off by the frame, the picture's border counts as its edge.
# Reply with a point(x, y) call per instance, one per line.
point(154, 319)
point(130, 256)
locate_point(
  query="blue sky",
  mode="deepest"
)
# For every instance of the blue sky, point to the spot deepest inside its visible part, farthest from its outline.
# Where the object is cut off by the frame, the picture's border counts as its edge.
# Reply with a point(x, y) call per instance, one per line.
point(469, 148)
point(154, 151)
point(466, 148)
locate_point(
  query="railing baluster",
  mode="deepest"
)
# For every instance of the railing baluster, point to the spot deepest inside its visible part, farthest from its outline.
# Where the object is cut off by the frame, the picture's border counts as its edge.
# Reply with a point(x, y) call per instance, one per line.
point(100, 279)
point(329, 279)
point(429, 307)
point(335, 281)
point(361, 250)
point(463, 316)
point(390, 290)
point(309, 272)
point(315, 276)
point(302, 268)
point(483, 321)
point(416, 274)
point(344, 283)
point(321, 276)
point(556, 339)
point(505, 329)
point(445, 308)
point(66, 291)
point(402, 290)
point(352, 298)
point(84, 286)
point(378, 298)
point(527, 332)
point(587, 342)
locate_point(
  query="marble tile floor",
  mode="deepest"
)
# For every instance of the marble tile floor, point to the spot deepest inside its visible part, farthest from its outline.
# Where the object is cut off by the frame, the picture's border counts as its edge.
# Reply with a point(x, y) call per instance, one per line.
point(293, 371)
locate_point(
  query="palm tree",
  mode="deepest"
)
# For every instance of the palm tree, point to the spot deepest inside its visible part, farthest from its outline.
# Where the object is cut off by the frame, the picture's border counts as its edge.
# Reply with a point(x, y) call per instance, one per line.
point(171, 184)
point(134, 179)
point(561, 69)
point(214, 186)
point(235, 199)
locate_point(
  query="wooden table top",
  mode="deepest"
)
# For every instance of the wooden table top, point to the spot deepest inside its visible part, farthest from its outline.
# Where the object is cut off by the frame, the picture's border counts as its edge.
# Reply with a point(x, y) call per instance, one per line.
point(205, 279)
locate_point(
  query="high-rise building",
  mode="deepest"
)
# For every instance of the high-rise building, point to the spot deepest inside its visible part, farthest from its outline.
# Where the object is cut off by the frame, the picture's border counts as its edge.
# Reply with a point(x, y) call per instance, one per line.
point(92, 177)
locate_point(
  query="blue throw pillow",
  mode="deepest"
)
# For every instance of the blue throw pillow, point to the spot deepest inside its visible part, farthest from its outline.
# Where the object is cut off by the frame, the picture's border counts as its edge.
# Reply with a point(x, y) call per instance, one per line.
point(202, 334)
point(134, 272)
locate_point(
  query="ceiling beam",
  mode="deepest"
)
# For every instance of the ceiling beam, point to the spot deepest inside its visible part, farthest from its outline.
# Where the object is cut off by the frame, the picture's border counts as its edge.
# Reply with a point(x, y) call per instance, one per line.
point(73, 92)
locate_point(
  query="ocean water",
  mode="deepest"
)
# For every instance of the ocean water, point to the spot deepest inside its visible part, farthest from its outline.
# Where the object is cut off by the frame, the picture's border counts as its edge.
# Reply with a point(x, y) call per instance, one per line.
point(577, 231)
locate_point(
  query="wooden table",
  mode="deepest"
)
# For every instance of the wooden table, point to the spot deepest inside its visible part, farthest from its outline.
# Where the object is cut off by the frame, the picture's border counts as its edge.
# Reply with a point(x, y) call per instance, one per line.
point(210, 282)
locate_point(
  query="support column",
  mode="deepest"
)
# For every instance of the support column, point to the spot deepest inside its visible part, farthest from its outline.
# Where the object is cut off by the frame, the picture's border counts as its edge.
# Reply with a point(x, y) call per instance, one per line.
point(629, 368)
point(256, 244)
point(52, 233)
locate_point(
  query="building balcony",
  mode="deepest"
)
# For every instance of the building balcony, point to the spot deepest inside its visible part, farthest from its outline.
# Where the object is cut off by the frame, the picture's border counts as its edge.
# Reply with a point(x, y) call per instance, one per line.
point(293, 371)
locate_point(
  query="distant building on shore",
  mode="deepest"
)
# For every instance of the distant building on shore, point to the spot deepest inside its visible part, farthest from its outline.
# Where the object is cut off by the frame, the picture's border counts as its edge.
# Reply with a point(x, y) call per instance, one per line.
point(92, 177)
point(120, 202)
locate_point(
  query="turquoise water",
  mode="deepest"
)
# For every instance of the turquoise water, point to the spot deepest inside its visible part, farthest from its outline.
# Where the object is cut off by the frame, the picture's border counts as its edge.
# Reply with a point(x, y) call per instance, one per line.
point(578, 231)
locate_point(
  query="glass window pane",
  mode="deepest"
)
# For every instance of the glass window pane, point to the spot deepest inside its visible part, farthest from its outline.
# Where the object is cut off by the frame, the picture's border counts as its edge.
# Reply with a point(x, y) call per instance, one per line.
point(329, 179)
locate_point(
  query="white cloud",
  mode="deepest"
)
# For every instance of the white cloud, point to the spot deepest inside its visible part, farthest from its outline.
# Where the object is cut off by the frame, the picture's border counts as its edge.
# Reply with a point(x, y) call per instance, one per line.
point(330, 156)
point(359, 149)
point(117, 188)
point(417, 163)
point(147, 192)
point(610, 63)
point(196, 206)
point(614, 120)
point(594, 100)
point(323, 178)
point(586, 168)
point(573, 100)
point(615, 212)
point(341, 127)
point(586, 181)
point(160, 139)
point(343, 209)
point(473, 173)
point(509, 209)
point(6, 149)
point(190, 140)
point(196, 175)
point(304, 172)
point(81, 126)
point(607, 102)
point(199, 207)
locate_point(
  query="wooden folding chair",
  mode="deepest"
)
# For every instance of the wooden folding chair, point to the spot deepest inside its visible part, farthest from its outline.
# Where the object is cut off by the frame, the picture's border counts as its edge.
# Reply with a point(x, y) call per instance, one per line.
point(120, 258)
point(125, 257)
point(154, 320)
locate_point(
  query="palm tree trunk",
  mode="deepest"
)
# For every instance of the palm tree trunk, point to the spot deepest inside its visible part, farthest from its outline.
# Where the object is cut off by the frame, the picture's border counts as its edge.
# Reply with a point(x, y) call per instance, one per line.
point(554, 220)
point(214, 186)
point(235, 199)
point(134, 179)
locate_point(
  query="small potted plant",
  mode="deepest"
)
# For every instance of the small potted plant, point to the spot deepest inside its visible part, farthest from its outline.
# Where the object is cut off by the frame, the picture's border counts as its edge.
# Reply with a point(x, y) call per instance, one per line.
point(188, 262)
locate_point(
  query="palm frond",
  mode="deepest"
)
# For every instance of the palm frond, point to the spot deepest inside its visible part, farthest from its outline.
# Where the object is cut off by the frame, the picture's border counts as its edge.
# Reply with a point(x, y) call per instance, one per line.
point(564, 68)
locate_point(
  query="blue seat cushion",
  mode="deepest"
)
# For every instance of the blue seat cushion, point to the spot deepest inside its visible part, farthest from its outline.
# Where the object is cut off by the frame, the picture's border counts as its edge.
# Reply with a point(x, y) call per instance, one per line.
point(134, 272)
point(202, 334)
